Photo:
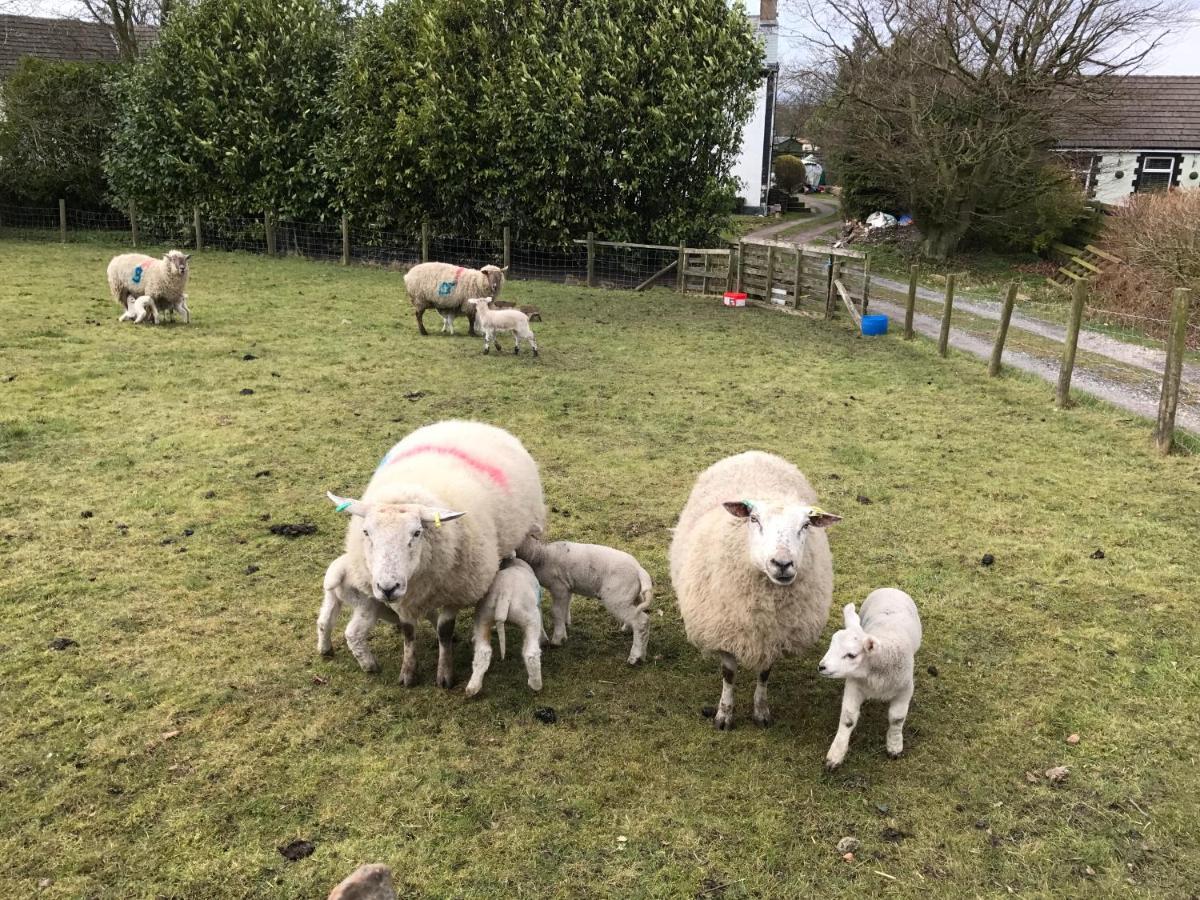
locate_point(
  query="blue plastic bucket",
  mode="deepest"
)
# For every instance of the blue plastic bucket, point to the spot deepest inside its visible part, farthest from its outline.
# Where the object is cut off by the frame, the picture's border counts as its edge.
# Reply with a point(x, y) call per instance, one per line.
point(872, 325)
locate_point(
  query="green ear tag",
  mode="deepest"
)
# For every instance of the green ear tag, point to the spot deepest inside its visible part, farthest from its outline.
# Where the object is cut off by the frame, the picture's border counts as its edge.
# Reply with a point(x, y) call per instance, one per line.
point(343, 506)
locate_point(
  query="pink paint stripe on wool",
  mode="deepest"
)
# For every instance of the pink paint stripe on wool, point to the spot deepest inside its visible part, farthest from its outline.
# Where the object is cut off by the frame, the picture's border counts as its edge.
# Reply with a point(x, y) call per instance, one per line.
point(495, 473)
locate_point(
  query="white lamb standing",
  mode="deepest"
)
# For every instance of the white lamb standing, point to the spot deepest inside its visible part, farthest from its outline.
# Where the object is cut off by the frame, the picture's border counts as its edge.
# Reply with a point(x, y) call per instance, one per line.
point(503, 321)
point(874, 653)
point(139, 310)
point(606, 574)
point(446, 288)
point(751, 568)
point(444, 506)
point(513, 597)
point(164, 280)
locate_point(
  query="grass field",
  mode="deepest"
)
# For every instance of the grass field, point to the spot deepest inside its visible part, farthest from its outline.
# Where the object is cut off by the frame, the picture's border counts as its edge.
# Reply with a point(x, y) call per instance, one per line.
point(193, 730)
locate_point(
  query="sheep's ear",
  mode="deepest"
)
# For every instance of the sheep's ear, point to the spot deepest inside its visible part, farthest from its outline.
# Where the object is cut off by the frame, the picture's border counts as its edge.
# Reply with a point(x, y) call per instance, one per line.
point(821, 519)
point(739, 508)
point(869, 644)
point(850, 616)
point(504, 271)
point(438, 517)
point(187, 256)
point(348, 505)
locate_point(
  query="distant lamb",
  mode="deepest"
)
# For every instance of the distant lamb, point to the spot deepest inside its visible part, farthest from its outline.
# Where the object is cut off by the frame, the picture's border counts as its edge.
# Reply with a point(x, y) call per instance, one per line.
point(874, 654)
point(164, 280)
point(751, 568)
point(446, 288)
point(513, 597)
point(139, 310)
point(505, 321)
point(611, 576)
point(444, 506)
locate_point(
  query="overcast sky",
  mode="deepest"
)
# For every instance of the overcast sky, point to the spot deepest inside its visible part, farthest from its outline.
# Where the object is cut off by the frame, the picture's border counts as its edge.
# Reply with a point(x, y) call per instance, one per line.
point(1179, 56)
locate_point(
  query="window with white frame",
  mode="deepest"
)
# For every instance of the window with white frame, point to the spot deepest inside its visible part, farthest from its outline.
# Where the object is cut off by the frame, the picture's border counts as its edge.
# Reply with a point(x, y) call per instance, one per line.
point(1157, 173)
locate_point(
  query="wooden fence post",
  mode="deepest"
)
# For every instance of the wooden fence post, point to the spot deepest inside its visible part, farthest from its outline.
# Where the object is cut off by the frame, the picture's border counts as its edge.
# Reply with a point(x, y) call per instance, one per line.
point(196, 228)
point(506, 259)
point(911, 304)
point(741, 266)
point(731, 267)
point(424, 242)
point(866, 282)
point(62, 220)
point(1164, 429)
point(799, 278)
point(767, 295)
point(133, 222)
point(269, 225)
point(706, 276)
point(1062, 398)
point(591, 260)
point(680, 267)
point(1002, 333)
point(345, 240)
point(947, 311)
point(835, 274)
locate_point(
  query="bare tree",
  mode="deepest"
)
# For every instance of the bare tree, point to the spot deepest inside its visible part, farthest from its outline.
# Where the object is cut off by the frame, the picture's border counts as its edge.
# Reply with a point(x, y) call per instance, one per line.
point(122, 16)
point(953, 104)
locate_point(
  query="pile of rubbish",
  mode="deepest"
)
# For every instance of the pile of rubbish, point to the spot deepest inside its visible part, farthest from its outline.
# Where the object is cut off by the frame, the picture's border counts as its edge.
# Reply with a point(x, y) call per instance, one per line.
point(876, 228)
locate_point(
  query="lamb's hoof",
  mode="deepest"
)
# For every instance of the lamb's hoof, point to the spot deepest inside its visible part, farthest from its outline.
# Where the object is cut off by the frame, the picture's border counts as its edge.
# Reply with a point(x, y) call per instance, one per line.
point(486, 351)
point(535, 353)
point(370, 668)
point(558, 641)
point(535, 687)
point(636, 660)
point(763, 721)
point(326, 652)
point(408, 679)
point(831, 765)
point(445, 681)
point(516, 351)
point(895, 754)
point(723, 721)
point(472, 690)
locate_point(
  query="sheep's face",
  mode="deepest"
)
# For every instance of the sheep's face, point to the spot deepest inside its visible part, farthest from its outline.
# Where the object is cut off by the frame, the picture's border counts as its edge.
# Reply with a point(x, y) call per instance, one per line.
point(849, 649)
point(776, 534)
point(480, 303)
point(495, 277)
point(395, 541)
point(177, 262)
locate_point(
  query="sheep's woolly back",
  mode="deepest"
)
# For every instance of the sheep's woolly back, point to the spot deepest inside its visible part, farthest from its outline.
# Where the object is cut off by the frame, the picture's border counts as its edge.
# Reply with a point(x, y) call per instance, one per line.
point(467, 466)
point(424, 280)
point(157, 279)
point(890, 616)
point(726, 602)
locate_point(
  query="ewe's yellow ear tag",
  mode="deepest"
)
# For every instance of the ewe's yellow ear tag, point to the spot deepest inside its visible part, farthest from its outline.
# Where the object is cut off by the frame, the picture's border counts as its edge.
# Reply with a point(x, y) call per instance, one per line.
point(437, 520)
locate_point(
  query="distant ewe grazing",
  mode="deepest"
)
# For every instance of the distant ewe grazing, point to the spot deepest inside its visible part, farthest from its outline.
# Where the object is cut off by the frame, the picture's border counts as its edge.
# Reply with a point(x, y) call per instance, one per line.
point(164, 280)
point(446, 288)
point(513, 597)
point(504, 321)
point(874, 653)
point(444, 506)
point(611, 576)
point(751, 568)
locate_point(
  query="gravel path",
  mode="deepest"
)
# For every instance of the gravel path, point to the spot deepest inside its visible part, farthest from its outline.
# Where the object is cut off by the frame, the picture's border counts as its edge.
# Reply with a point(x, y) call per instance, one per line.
point(822, 206)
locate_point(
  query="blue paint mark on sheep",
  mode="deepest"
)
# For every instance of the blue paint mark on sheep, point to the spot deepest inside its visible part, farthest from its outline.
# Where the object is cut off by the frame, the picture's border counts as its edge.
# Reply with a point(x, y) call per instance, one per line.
point(445, 288)
point(137, 275)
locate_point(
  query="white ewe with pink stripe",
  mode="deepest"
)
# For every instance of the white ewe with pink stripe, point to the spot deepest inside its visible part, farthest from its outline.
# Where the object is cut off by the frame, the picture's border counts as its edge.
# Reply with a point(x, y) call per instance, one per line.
point(444, 506)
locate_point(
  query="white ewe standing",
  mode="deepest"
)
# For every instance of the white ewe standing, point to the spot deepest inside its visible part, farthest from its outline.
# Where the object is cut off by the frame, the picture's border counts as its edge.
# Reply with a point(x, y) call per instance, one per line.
point(751, 568)
point(874, 654)
point(504, 321)
point(446, 288)
point(609, 575)
point(444, 506)
point(137, 275)
point(513, 597)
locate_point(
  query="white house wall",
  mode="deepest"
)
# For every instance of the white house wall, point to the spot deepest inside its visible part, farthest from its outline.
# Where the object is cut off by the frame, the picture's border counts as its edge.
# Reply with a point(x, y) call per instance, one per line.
point(748, 169)
point(1111, 189)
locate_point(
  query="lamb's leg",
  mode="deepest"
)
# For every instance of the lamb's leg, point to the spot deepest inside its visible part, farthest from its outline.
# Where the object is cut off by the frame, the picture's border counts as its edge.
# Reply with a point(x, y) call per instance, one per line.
point(471, 322)
point(361, 623)
point(723, 720)
point(187, 313)
point(483, 651)
point(532, 651)
point(851, 703)
point(625, 610)
point(445, 633)
point(560, 612)
point(762, 711)
point(529, 339)
point(487, 341)
point(420, 311)
point(897, 713)
point(330, 607)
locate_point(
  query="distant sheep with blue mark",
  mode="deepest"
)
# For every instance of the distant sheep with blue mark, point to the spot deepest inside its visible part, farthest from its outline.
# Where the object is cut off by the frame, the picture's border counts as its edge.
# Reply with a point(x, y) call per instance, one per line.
point(446, 288)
